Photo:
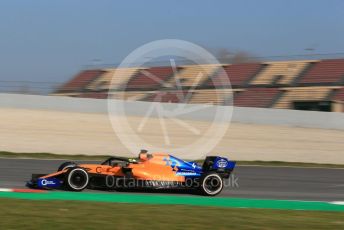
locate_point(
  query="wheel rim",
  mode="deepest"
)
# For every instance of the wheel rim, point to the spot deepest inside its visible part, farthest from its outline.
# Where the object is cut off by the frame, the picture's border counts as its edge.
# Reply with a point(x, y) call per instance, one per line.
point(78, 179)
point(212, 184)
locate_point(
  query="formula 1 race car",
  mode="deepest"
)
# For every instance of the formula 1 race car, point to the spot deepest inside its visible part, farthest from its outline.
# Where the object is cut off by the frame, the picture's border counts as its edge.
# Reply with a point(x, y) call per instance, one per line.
point(148, 171)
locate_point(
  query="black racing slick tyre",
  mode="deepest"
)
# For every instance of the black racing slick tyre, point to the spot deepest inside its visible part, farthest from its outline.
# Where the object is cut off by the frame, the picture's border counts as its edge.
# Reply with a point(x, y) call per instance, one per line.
point(211, 184)
point(76, 179)
point(67, 164)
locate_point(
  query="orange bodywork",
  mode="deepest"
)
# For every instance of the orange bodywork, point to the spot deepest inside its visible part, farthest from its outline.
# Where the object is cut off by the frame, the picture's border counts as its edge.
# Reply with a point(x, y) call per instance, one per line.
point(146, 168)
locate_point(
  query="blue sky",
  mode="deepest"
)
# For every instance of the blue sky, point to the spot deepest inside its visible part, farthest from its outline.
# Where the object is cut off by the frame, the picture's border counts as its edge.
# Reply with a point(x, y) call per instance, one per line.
point(52, 40)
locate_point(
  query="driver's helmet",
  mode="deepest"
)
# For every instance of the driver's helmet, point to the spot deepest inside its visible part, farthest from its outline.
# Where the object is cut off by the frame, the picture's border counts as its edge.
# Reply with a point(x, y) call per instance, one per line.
point(143, 155)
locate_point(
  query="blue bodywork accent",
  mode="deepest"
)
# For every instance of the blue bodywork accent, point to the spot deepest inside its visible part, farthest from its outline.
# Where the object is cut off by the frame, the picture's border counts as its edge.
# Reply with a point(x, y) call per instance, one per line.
point(184, 168)
point(192, 169)
point(223, 163)
point(49, 183)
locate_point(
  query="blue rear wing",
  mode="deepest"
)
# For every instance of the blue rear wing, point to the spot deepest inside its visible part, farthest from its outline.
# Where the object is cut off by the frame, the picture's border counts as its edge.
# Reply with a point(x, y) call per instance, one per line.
point(223, 163)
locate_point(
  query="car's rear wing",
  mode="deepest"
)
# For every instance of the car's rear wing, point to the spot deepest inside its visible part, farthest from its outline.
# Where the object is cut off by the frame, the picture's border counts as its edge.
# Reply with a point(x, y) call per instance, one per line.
point(218, 164)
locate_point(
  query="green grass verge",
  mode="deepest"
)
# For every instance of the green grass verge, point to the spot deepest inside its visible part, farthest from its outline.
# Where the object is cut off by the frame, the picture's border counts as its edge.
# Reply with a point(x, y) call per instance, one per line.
point(178, 200)
point(28, 214)
point(5, 154)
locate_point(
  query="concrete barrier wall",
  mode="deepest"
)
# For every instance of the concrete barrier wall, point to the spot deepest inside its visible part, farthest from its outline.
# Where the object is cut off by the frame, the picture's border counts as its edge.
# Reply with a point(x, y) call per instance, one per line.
point(81, 126)
point(307, 119)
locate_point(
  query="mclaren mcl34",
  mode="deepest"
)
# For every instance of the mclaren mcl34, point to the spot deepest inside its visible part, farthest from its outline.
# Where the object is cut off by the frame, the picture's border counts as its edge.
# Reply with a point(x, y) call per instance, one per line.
point(148, 171)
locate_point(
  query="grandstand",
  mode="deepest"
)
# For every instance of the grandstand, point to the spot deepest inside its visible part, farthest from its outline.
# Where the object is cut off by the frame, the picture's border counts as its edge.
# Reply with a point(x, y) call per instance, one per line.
point(279, 73)
point(191, 75)
point(210, 96)
point(80, 82)
point(301, 84)
point(326, 71)
point(149, 79)
point(177, 96)
point(239, 74)
point(303, 95)
point(256, 97)
point(107, 80)
point(339, 95)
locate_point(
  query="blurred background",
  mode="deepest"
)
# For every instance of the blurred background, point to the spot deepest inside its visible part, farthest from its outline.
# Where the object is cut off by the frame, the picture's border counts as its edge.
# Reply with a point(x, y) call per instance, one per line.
point(275, 53)
point(279, 63)
point(271, 60)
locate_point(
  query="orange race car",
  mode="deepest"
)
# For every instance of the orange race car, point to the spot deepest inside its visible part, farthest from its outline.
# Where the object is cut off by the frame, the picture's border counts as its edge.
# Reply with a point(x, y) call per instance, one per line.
point(148, 171)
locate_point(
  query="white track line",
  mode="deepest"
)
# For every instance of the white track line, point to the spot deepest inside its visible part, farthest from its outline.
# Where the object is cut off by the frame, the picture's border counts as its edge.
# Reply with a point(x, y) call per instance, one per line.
point(337, 202)
point(6, 190)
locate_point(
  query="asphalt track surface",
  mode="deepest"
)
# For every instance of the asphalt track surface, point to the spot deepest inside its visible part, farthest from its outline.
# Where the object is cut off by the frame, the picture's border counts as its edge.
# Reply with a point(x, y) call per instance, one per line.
point(285, 183)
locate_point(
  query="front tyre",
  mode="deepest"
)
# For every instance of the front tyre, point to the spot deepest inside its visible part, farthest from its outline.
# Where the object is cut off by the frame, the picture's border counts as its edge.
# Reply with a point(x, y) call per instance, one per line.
point(66, 165)
point(77, 179)
point(211, 184)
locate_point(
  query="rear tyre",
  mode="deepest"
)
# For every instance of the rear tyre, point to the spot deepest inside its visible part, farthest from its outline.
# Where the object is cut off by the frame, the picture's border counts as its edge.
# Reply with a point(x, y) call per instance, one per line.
point(211, 184)
point(77, 179)
point(66, 165)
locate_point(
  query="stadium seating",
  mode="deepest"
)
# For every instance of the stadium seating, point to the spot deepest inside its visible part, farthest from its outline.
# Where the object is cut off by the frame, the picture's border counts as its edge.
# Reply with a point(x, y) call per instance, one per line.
point(305, 84)
point(282, 73)
point(176, 96)
point(80, 81)
point(192, 75)
point(95, 95)
point(302, 94)
point(239, 74)
point(112, 79)
point(325, 71)
point(129, 95)
point(256, 97)
point(210, 96)
point(148, 79)
point(339, 95)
